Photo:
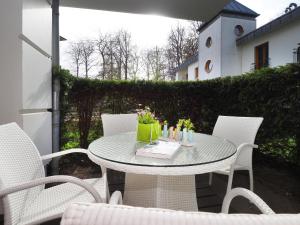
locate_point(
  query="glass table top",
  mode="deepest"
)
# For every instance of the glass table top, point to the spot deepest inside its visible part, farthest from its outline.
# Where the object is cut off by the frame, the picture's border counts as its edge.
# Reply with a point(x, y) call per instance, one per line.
point(121, 148)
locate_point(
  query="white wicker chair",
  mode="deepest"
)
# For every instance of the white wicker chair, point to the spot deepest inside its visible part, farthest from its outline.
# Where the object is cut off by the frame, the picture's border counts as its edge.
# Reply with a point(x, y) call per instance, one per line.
point(22, 180)
point(242, 132)
point(90, 214)
point(118, 123)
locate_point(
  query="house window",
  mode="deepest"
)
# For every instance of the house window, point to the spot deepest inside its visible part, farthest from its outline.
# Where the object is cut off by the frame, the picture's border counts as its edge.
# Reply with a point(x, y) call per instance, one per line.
point(208, 42)
point(298, 55)
point(262, 56)
point(208, 66)
point(196, 73)
point(239, 30)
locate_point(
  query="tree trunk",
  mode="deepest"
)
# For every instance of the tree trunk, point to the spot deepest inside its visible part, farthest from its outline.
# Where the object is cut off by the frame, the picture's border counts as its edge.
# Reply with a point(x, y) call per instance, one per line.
point(126, 69)
point(85, 108)
point(86, 70)
point(103, 66)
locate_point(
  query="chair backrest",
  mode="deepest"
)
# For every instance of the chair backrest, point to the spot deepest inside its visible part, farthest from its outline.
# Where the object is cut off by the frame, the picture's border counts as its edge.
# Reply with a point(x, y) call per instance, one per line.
point(239, 130)
point(20, 162)
point(118, 123)
point(104, 214)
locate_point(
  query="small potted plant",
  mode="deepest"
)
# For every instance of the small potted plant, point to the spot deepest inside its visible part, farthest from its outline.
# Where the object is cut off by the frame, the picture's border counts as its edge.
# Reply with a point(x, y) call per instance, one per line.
point(180, 124)
point(148, 129)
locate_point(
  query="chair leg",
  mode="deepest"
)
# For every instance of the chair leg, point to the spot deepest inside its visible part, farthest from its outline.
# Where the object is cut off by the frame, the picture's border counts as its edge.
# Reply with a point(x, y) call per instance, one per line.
point(210, 179)
point(251, 179)
point(104, 177)
point(230, 179)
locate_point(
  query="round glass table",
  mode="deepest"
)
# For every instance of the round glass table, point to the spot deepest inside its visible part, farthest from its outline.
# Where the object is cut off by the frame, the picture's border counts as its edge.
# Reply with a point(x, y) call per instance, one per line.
point(162, 183)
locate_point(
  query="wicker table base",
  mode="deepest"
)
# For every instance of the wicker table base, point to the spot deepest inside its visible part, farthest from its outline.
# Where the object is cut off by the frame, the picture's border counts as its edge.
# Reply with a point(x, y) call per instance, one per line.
point(168, 192)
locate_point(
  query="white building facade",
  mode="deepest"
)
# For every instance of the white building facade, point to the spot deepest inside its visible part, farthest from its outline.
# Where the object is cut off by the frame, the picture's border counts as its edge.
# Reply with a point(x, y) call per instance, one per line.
point(230, 44)
point(279, 41)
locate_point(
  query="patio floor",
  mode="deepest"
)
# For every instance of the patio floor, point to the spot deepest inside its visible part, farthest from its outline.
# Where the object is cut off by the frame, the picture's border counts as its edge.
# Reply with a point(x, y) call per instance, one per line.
point(278, 186)
point(280, 196)
point(275, 182)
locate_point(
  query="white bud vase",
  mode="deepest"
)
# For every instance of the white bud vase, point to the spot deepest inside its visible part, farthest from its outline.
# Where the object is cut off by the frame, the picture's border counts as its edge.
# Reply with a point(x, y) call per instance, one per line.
point(165, 133)
point(184, 136)
point(191, 136)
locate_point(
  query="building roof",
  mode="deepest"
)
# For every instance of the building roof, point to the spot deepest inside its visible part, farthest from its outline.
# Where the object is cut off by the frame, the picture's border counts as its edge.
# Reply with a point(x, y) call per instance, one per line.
point(188, 62)
point(238, 8)
point(232, 8)
point(271, 26)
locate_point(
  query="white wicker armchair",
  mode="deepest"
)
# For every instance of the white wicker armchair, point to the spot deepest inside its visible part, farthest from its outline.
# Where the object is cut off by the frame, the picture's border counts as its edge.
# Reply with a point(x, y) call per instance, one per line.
point(90, 214)
point(22, 182)
point(242, 132)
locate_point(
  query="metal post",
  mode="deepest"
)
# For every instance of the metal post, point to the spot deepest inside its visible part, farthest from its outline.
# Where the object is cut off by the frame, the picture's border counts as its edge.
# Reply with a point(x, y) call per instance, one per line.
point(55, 84)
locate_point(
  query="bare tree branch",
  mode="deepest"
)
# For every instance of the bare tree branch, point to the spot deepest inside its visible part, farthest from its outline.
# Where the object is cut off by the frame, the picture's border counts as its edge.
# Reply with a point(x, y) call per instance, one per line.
point(88, 50)
point(75, 53)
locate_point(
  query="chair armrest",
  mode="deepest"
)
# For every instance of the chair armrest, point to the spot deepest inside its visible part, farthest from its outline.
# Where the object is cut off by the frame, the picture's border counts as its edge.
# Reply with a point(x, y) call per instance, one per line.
point(256, 200)
point(247, 145)
point(244, 146)
point(116, 198)
point(66, 152)
point(52, 179)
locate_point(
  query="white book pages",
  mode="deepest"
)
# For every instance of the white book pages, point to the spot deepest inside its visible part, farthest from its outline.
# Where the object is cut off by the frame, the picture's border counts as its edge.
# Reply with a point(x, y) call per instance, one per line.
point(161, 150)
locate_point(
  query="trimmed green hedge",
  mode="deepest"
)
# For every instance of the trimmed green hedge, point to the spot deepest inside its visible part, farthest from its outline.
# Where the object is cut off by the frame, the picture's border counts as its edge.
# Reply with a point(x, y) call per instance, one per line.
point(270, 93)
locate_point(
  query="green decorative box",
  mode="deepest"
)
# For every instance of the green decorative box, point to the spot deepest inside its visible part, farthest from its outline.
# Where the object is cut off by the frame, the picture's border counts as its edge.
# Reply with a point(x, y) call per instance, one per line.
point(143, 132)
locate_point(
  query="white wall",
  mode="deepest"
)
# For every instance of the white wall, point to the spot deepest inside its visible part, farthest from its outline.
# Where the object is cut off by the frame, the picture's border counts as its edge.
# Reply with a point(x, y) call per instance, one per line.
point(37, 27)
point(37, 23)
point(231, 63)
point(281, 45)
point(191, 71)
point(10, 61)
point(25, 71)
point(213, 53)
point(37, 92)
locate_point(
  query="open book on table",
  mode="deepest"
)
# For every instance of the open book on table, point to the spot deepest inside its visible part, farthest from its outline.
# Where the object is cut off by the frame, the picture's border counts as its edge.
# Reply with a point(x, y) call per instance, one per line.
point(160, 150)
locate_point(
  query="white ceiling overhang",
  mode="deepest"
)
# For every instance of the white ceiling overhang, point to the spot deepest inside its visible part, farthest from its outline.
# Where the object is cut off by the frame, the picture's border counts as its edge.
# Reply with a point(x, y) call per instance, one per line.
point(201, 10)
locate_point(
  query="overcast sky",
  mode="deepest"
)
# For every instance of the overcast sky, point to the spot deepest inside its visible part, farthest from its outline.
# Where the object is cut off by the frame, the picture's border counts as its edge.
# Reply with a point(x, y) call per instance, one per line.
point(147, 31)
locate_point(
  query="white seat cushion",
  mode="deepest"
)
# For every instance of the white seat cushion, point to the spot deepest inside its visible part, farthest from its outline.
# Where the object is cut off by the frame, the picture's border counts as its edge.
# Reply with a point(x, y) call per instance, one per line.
point(103, 214)
point(53, 201)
